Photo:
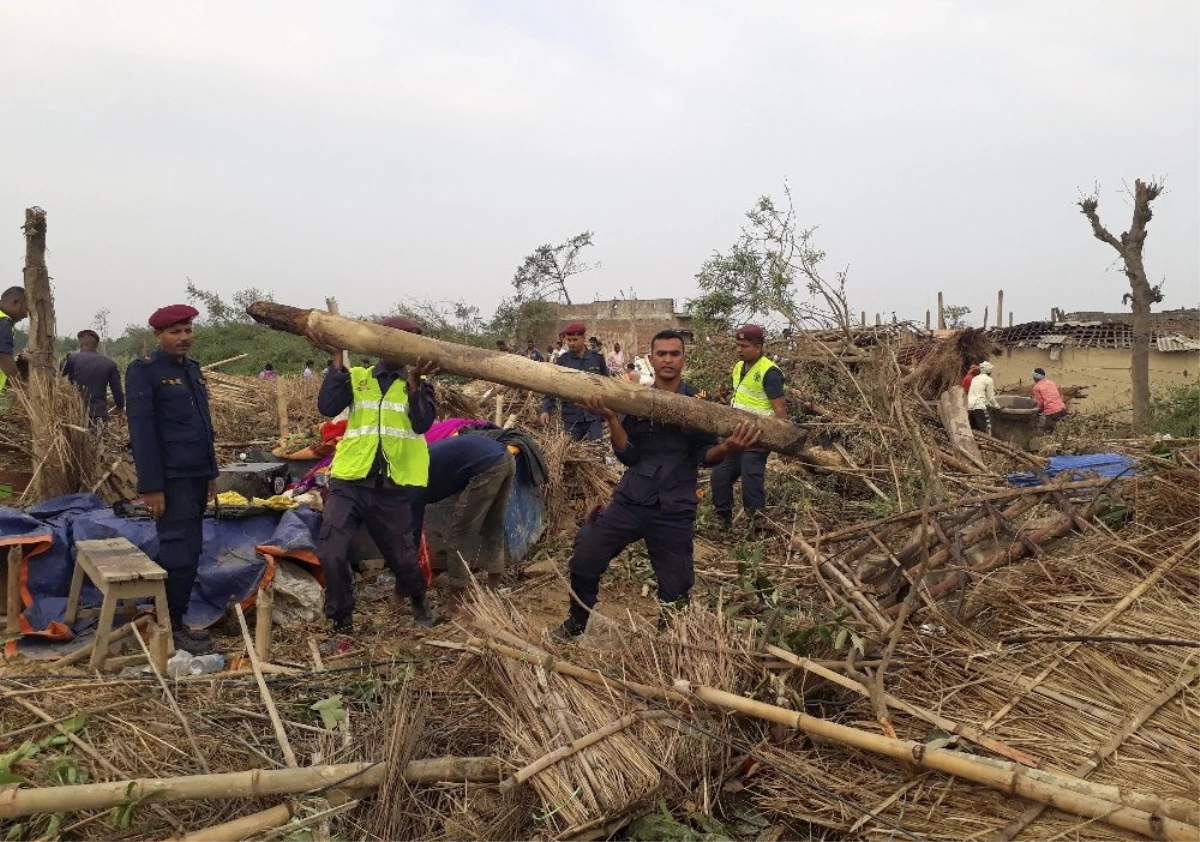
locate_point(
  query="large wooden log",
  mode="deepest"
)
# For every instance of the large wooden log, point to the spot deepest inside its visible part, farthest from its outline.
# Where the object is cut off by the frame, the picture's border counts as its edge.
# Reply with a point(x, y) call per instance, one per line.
point(252, 784)
point(330, 330)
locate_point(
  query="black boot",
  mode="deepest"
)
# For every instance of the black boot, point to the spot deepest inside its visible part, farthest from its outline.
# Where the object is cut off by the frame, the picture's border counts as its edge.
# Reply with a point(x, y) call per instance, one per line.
point(575, 624)
point(422, 613)
point(726, 519)
point(198, 642)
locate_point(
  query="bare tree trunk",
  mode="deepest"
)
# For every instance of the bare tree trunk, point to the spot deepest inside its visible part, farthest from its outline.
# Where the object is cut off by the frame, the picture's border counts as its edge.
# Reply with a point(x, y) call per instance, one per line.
point(1141, 295)
point(40, 350)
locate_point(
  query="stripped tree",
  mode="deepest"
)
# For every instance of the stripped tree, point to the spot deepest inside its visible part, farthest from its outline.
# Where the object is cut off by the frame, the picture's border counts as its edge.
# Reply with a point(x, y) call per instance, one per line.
point(1141, 294)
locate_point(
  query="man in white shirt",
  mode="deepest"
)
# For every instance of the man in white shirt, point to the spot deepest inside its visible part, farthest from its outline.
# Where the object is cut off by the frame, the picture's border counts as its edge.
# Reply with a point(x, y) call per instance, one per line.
point(981, 398)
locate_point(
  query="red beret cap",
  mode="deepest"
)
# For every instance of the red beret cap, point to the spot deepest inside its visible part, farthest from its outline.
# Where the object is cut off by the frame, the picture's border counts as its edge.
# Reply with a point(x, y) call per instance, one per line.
point(166, 317)
point(87, 331)
point(401, 323)
point(575, 327)
point(750, 333)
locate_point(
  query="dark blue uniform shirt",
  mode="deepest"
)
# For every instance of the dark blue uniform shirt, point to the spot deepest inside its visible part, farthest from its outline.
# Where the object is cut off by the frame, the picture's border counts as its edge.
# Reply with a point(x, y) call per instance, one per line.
point(663, 461)
point(591, 362)
point(170, 428)
point(95, 374)
point(336, 395)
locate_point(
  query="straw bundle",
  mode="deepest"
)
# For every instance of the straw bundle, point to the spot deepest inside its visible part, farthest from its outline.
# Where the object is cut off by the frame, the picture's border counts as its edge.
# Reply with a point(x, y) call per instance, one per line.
point(1108, 707)
point(945, 365)
point(579, 478)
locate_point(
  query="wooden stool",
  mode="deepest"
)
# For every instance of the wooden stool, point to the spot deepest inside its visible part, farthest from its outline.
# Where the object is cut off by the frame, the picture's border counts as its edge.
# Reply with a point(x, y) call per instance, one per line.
point(120, 571)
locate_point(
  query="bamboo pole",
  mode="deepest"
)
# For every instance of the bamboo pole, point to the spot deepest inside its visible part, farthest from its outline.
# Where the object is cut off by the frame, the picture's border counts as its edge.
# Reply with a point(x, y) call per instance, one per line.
point(1069, 794)
point(327, 330)
point(965, 731)
point(225, 361)
point(1106, 750)
point(289, 756)
point(262, 622)
point(255, 783)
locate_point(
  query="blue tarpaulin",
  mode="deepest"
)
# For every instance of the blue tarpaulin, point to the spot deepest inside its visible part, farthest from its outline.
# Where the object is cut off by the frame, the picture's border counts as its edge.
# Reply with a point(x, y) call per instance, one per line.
point(236, 556)
point(1079, 468)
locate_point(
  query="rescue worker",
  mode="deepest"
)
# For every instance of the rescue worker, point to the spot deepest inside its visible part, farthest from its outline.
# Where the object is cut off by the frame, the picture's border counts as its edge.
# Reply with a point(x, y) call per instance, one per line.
point(981, 398)
point(381, 461)
point(656, 497)
point(14, 307)
point(1051, 407)
point(478, 471)
point(758, 388)
point(578, 422)
point(95, 375)
point(171, 434)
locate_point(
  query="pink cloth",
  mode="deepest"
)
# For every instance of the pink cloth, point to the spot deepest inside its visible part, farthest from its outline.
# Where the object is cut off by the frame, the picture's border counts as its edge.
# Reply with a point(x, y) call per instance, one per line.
point(1049, 399)
point(445, 429)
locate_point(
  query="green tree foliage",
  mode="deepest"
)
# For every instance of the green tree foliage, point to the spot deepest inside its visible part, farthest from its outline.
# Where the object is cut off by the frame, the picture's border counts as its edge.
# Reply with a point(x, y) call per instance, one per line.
point(956, 316)
point(773, 270)
point(517, 320)
point(1176, 411)
point(543, 275)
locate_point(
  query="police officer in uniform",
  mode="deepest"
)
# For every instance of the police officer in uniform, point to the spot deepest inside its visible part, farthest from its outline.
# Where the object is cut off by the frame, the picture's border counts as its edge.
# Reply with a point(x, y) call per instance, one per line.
point(380, 462)
point(758, 388)
point(656, 497)
point(171, 434)
point(578, 422)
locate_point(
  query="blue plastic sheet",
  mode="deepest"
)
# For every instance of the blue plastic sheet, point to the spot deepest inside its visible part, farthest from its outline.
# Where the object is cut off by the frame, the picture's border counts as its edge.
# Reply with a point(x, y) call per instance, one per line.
point(231, 565)
point(1079, 468)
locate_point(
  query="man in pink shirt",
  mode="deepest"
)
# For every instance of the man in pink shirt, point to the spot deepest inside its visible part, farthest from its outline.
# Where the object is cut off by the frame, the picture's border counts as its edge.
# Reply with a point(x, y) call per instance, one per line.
point(1049, 401)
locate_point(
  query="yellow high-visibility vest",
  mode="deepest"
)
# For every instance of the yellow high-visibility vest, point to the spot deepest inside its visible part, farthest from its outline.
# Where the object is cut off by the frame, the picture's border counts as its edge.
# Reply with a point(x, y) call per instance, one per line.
point(380, 421)
point(749, 393)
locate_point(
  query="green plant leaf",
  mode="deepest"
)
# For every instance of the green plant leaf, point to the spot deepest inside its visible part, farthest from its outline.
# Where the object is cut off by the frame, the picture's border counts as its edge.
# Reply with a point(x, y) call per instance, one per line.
point(26, 750)
point(331, 711)
point(12, 778)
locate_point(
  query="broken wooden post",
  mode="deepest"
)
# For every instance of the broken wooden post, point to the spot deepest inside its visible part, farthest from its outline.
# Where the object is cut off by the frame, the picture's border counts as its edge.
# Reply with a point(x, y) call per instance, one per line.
point(326, 330)
point(985, 316)
point(1000, 308)
point(863, 318)
point(941, 313)
point(928, 324)
point(1010, 322)
point(281, 409)
point(878, 320)
point(40, 350)
point(262, 622)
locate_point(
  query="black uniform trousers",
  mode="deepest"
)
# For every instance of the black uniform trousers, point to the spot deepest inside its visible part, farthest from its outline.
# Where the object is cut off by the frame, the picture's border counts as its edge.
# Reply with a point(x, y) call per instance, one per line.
point(180, 539)
point(387, 513)
point(751, 467)
point(980, 419)
point(668, 541)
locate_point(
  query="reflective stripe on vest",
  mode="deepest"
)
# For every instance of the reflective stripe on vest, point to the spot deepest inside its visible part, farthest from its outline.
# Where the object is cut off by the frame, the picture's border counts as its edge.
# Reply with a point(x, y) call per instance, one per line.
point(749, 393)
point(3, 376)
point(380, 421)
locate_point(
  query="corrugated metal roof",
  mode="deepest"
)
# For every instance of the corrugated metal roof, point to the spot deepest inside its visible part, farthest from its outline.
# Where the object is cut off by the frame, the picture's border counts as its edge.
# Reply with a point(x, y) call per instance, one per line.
point(1168, 344)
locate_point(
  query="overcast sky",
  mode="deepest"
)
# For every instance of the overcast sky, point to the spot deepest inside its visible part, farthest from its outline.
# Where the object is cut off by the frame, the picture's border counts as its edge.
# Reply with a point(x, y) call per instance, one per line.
point(383, 151)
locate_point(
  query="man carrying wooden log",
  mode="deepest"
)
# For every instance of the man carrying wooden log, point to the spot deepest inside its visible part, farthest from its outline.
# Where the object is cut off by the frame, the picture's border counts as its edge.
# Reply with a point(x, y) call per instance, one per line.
point(95, 375)
point(758, 388)
point(14, 307)
point(656, 497)
point(171, 433)
point(579, 423)
point(380, 462)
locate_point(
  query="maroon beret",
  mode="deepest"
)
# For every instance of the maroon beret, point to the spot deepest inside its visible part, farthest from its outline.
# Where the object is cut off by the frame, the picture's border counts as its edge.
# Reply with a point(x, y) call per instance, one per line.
point(750, 333)
point(165, 317)
point(575, 328)
point(87, 331)
point(401, 323)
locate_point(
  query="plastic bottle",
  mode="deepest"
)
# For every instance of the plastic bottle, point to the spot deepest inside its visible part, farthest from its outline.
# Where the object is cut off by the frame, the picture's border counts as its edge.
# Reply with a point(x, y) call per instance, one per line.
point(180, 663)
point(205, 664)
